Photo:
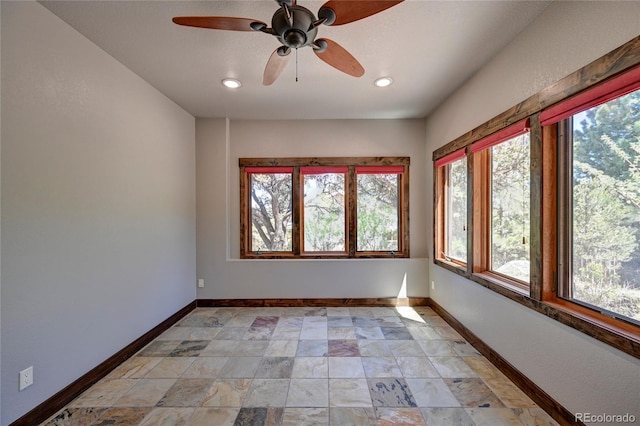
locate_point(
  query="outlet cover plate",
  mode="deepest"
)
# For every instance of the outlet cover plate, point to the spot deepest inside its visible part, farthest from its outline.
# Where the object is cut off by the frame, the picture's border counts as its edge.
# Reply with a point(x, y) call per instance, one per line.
point(26, 378)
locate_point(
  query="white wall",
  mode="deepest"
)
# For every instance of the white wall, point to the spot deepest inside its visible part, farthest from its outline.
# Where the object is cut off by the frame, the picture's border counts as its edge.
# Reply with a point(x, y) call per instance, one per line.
point(98, 205)
point(581, 373)
point(220, 143)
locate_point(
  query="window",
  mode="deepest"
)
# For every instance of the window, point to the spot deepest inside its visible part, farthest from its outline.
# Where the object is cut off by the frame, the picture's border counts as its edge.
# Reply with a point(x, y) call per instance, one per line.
point(452, 187)
point(554, 201)
point(599, 200)
point(324, 207)
point(502, 209)
point(271, 219)
point(324, 210)
point(378, 205)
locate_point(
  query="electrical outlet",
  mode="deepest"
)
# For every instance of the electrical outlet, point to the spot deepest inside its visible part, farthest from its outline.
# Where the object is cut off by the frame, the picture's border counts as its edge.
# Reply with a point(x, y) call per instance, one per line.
point(26, 378)
point(200, 283)
point(433, 285)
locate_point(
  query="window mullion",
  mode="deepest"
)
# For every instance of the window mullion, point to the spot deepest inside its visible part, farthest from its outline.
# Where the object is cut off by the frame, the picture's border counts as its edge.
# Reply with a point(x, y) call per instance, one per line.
point(296, 213)
point(535, 209)
point(351, 211)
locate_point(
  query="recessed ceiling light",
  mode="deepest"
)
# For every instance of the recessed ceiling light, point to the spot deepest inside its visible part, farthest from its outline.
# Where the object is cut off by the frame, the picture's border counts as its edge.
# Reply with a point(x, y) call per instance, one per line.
point(383, 81)
point(231, 83)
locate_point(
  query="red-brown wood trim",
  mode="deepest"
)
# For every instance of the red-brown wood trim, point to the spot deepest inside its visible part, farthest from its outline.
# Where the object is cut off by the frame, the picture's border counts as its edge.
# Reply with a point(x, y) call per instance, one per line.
point(549, 225)
point(618, 60)
point(325, 161)
point(533, 391)
point(536, 209)
point(49, 407)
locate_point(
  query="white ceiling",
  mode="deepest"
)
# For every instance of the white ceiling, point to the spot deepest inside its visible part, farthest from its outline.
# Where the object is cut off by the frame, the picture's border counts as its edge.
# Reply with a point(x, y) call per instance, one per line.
point(428, 47)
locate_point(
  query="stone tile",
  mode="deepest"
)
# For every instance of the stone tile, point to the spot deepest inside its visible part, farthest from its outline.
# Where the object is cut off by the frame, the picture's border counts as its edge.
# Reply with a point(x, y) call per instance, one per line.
point(258, 333)
point(267, 393)
point(315, 312)
point(168, 416)
point(134, 368)
point(190, 333)
point(214, 416)
point(232, 333)
point(104, 393)
point(493, 416)
point(369, 333)
point(364, 322)
point(310, 368)
point(388, 321)
point(483, 368)
point(349, 393)
point(448, 333)
point(432, 393)
point(463, 348)
point(310, 321)
point(416, 367)
point(339, 322)
point(314, 333)
point(170, 368)
point(381, 367)
point(305, 417)
point(424, 333)
point(343, 348)
point(341, 333)
point(292, 321)
point(227, 393)
point(405, 348)
point(437, 347)
point(391, 392)
point(352, 416)
point(509, 393)
point(345, 367)
point(446, 416)
point(75, 416)
point(207, 367)
point(282, 348)
point(396, 333)
point(308, 393)
point(159, 348)
point(473, 393)
point(250, 348)
point(220, 348)
point(374, 348)
point(286, 333)
point(122, 416)
point(399, 416)
point(275, 368)
point(240, 367)
point(262, 321)
point(145, 393)
point(452, 367)
point(312, 348)
point(186, 393)
point(189, 348)
point(338, 312)
point(241, 321)
point(534, 417)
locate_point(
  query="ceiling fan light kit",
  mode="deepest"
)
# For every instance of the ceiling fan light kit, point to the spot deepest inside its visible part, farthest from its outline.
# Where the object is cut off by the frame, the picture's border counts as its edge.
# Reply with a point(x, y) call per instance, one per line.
point(383, 81)
point(231, 83)
point(295, 27)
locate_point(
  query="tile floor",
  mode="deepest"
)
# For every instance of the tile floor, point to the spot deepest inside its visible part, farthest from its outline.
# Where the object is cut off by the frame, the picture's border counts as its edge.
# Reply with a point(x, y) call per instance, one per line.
point(306, 366)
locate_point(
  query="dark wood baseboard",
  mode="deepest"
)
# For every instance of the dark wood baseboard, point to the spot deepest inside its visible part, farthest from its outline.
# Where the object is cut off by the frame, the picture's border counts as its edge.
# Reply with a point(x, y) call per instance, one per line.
point(49, 407)
point(533, 391)
point(315, 302)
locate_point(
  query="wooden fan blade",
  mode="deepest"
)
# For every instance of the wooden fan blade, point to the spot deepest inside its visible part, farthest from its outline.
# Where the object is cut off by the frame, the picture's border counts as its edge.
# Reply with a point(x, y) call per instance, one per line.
point(217, 22)
point(336, 56)
point(353, 10)
point(274, 67)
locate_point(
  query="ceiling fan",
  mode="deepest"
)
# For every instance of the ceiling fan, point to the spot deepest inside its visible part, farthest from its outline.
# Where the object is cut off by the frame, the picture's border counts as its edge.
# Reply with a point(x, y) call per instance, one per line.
point(295, 26)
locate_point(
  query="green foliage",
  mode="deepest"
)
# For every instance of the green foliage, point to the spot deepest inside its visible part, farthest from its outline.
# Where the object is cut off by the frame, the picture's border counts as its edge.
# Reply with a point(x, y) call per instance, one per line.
point(606, 206)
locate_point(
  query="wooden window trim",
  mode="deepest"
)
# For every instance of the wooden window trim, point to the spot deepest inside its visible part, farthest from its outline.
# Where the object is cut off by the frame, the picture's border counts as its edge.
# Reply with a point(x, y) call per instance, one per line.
point(542, 294)
point(350, 205)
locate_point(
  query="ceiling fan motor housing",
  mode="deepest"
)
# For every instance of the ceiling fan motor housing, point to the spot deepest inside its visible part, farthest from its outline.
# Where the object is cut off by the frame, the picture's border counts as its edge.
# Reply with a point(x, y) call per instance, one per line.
point(299, 31)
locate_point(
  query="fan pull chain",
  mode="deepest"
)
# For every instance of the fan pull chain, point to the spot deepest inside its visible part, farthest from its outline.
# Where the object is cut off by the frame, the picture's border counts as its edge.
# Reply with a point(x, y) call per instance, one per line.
point(296, 65)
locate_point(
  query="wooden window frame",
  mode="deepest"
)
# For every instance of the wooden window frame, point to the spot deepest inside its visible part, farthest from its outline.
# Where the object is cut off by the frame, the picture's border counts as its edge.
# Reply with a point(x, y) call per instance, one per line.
point(351, 163)
point(545, 249)
point(441, 198)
